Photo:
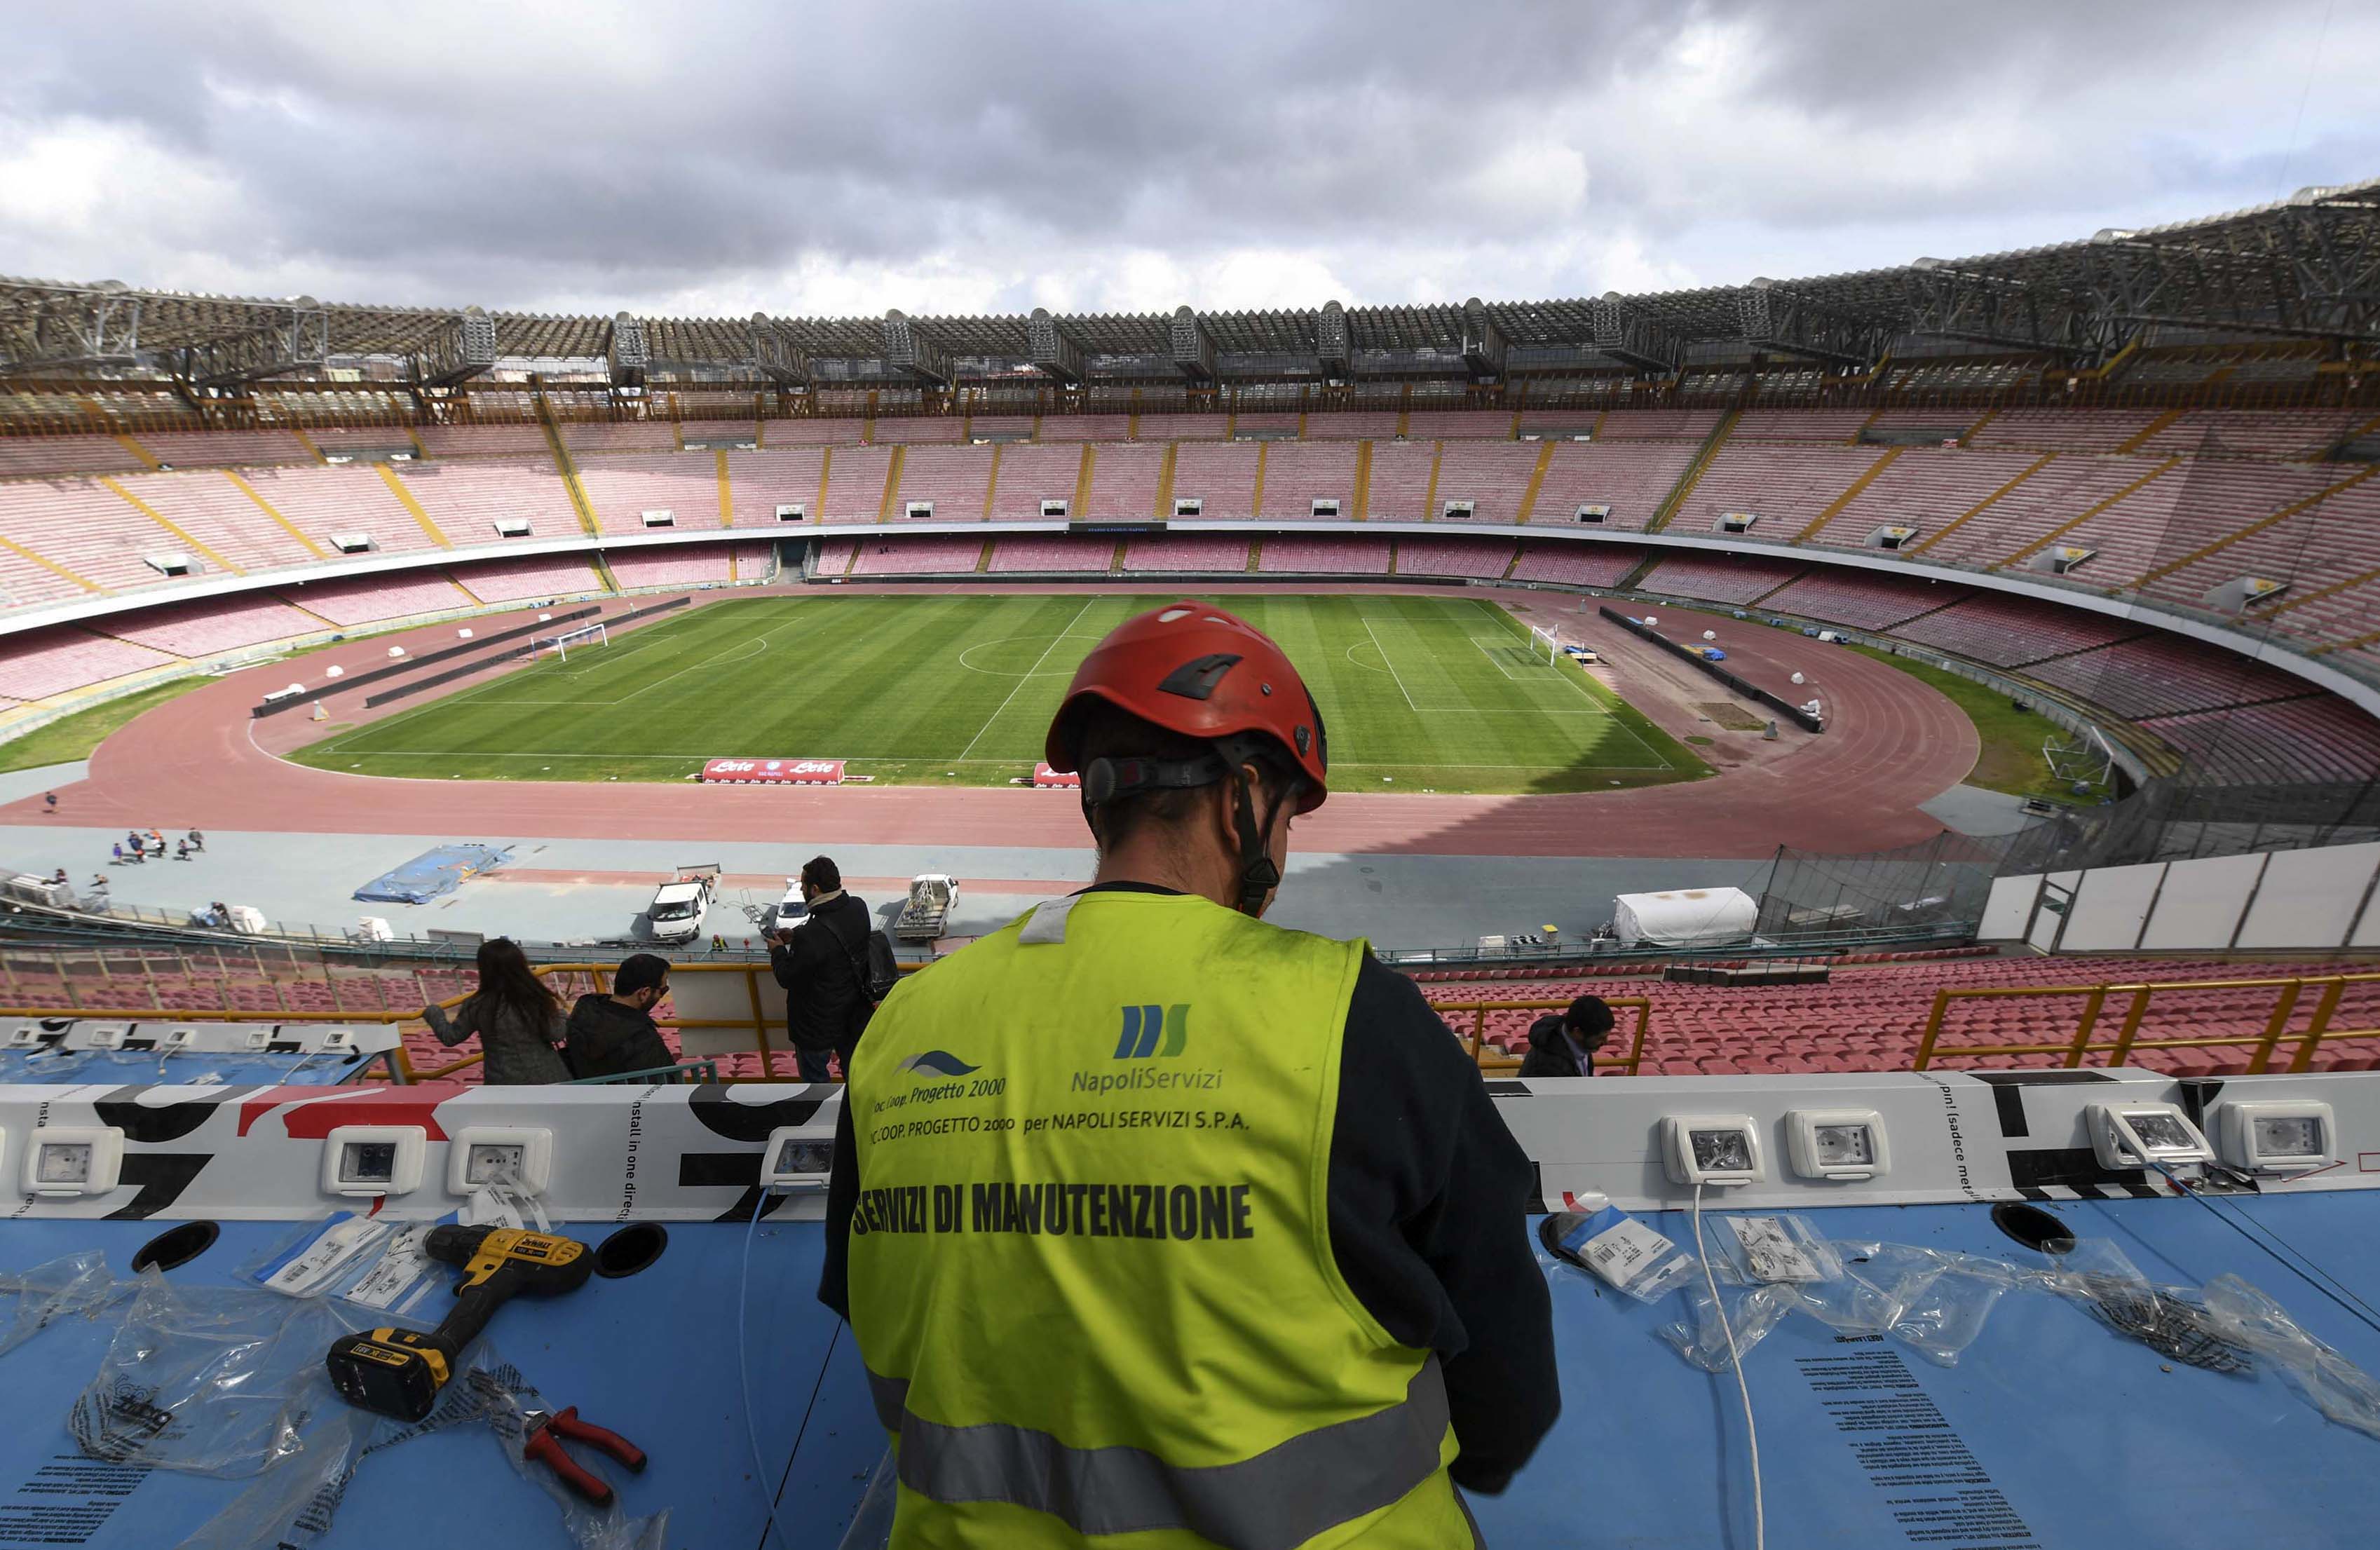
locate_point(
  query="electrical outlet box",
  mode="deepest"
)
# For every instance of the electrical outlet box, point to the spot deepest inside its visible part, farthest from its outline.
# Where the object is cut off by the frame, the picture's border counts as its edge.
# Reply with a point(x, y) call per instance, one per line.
point(482, 1154)
point(794, 1161)
point(64, 1160)
point(2276, 1135)
point(365, 1160)
point(2139, 1135)
point(1712, 1149)
point(1847, 1143)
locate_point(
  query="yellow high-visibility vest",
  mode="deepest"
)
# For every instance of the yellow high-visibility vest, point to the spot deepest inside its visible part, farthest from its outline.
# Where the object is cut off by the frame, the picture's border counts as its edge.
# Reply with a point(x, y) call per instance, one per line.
point(1090, 1269)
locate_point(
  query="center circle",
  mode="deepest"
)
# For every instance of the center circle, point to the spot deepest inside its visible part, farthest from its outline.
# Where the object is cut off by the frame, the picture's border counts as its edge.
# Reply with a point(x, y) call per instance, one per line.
point(1011, 655)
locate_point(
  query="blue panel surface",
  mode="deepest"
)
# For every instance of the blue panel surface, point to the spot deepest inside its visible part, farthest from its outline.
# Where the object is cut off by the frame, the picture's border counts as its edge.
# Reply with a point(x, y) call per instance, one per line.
point(2051, 1430)
point(141, 1068)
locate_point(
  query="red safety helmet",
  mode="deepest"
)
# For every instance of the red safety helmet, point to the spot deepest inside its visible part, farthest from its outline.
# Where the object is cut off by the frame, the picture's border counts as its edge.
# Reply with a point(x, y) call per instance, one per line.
point(1194, 669)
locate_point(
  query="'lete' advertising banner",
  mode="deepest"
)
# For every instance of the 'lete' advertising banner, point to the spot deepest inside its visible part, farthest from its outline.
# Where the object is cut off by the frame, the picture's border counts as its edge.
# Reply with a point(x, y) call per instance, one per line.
point(773, 772)
point(1047, 778)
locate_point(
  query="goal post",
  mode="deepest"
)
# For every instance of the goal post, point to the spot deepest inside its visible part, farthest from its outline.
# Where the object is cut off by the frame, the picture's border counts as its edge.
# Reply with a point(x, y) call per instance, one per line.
point(559, 644)
point(1545, 638)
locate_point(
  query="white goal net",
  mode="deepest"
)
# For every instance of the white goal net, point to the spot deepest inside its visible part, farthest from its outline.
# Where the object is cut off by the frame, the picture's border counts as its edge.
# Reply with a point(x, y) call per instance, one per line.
point(1542, 638)
point(560, 644)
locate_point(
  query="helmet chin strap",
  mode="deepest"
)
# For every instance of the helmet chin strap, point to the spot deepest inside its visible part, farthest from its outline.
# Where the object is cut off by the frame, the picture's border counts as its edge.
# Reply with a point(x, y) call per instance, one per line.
point(1259, 876)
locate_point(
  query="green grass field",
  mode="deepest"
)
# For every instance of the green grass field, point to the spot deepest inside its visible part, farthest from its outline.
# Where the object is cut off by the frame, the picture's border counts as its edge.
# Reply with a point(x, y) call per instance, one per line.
point(1439, 694)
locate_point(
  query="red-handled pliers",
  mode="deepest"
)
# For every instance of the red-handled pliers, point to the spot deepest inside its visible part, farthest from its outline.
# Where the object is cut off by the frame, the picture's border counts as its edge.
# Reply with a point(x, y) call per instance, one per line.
point(541, 1442)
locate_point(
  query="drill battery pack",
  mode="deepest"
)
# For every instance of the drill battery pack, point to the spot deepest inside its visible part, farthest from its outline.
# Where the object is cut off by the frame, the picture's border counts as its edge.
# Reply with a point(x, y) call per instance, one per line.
point(389, 1372)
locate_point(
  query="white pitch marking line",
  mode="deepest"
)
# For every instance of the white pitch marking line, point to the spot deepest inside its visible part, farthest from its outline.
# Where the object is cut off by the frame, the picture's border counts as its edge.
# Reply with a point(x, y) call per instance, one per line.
point(1391, 663)
point(1028, 678)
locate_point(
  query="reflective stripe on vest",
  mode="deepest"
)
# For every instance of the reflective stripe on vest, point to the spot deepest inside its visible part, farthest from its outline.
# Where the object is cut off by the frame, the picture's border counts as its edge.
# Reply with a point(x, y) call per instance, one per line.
point(1091, 1266)
point(1275, 1501)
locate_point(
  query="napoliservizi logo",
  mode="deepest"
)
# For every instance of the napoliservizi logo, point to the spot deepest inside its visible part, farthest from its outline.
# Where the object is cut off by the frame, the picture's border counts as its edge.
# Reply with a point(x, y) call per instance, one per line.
point(1153, 1031)
point(939, 1062)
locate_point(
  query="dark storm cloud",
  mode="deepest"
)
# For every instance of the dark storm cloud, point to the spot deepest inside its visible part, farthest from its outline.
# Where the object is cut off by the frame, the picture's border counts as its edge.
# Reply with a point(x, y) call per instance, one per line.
point(526, 155)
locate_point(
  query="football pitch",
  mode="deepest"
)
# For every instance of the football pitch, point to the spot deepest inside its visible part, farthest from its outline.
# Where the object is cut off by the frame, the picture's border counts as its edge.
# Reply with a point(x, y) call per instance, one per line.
point(1436, 694)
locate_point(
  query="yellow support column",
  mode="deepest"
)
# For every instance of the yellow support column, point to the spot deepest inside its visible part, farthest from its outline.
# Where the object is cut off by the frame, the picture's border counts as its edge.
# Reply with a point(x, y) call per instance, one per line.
point(826, 466)
point(404, 498)
point(1429, 501)
point(308, 443)
point(1977, 509)
point(1081, 507)
point(1363, 481)
point(2071, 523)
point(1165, 486)
point(992, 484)
point(726, 501)
point(2292, 509)
point(13, 546)
point(149, 460)
point(892, 485)
point(1536, 482)
point(153, 514)
point(1868, 477)
point(2134, 443)
point(266, 507)
point(1255, 506)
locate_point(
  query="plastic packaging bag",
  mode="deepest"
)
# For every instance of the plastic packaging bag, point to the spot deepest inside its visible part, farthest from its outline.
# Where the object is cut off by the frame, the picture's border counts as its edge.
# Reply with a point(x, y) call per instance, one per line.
point(212, 1380)
point(871, 1526)
point(2246, 1317)
point(1771, 1247)
point(1932, 1302)
point(30, 1301)
point(2172, 1320)
point(1621, 1251)
point(291, 1506)
point(321, 1258)
point(1751, 1314)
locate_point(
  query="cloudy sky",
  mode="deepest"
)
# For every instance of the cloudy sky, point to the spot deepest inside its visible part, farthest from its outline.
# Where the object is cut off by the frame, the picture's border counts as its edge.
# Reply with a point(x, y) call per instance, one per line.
point(811, 159)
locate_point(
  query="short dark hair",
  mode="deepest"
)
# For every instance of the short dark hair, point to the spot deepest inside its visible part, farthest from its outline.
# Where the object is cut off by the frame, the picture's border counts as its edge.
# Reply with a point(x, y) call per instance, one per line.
point(1590, 1018)
point(640, 971)
point(823, 874)
point(1099, 730)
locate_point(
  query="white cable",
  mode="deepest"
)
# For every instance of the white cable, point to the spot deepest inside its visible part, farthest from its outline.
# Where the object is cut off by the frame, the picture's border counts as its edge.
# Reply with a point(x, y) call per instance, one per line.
point(1751, 1432)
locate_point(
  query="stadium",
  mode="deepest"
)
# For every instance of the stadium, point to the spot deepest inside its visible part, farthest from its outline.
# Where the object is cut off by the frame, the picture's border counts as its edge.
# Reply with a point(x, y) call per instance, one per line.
point(1935, 708)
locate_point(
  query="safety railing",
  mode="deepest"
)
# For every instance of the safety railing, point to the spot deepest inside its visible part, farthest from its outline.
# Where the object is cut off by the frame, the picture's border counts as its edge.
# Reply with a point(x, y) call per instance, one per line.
point(1489, 1058)
point(2135, 1000)
point(684, 1072)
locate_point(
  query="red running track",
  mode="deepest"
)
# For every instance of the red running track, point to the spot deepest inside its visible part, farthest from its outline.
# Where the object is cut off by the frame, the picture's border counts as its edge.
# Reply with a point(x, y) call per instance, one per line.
point(1893, 743)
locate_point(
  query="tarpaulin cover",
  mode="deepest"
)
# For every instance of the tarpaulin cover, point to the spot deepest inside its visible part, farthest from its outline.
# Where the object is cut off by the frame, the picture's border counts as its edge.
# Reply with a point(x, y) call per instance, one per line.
point(433, 874)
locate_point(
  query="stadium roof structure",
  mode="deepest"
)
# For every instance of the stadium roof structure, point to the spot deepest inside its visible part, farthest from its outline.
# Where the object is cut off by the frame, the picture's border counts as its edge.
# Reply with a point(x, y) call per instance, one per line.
point(2306, 266)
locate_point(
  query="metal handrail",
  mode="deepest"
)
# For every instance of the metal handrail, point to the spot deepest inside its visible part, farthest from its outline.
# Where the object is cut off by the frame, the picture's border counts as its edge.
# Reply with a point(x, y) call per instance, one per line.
point(2096, 997)
point(685, 1071)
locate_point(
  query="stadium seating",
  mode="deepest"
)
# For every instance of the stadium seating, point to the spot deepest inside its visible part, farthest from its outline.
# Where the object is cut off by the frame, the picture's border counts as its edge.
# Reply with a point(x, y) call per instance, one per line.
point(855, 484)
point(716, 430)
point(1690, 424)
point(1305, 555)
point(926, 556)
point(1402, 479)
point(822, 432)
point(2046, 503)
point(759, 481)
point(209, 628)
point(1189, 552)
point(369, 600)
point(43, 662)
point(1484, 558)
point(917, 430)
point(222, 449)
point(363, 441)
point(219, 516)
point(2185, 509)
point(2160, 675)
point(1863, 600)
point(2297, 435)
point(531, 577)
point(1123, 483)
point(1030, 474)
point(40, 457)
point(1922, 488)
point(483, 441)
point(1786, 488)
point(463, 499)
point(1492, 476)
point(1429, 424)
point(1220, 476)
point(2333, 539)
point(1902, 424)
point(1052, 553)
point(1719, 578)
point(955, 481)
point(1799, 425)
point(616, 436)
point(1630, 477)
point(1577, 564)
point(1367, 425)
point(621, 488)
point(1179, 427)
point(1296, 474)
point(2009, 632)
point(2064, 430)
point(2316, 738)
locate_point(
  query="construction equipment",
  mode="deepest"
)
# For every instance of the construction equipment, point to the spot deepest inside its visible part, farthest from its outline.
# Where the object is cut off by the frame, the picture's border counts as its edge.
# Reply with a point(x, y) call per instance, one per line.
point(399, 1371)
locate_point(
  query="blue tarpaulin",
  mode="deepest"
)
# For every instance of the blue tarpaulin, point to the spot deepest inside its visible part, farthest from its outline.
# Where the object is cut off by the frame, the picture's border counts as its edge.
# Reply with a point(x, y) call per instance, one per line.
point(433, 874)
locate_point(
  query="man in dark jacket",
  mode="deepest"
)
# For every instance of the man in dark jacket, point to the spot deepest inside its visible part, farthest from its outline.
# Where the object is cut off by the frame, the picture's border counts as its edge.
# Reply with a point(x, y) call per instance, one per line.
point(817, 962)
point(1564, 1044)
point(613, 1034)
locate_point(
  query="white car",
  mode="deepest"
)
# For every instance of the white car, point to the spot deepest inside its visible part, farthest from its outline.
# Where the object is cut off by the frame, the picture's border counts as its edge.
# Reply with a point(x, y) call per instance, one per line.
point(679, 905)
point(791, 910)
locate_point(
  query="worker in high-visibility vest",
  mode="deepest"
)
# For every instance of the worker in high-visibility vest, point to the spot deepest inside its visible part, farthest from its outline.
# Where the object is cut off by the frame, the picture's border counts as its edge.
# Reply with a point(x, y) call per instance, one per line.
point(1154, 1221)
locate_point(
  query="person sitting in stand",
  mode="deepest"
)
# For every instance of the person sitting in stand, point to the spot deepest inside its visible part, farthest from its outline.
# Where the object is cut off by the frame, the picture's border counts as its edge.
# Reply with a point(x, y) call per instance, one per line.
point(181, 849)
point(198, 841)
point(1564, 1044)
point(613, 1034)
point(516, 1016)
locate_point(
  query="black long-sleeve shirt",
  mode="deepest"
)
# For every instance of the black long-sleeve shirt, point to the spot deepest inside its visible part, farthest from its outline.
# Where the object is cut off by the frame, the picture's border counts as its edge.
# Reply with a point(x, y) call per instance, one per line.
point(1427, 1194)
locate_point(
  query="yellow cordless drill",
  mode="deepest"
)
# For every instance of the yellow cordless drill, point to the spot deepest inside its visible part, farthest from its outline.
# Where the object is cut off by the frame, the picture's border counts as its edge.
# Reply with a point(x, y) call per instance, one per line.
point(399, 1371)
